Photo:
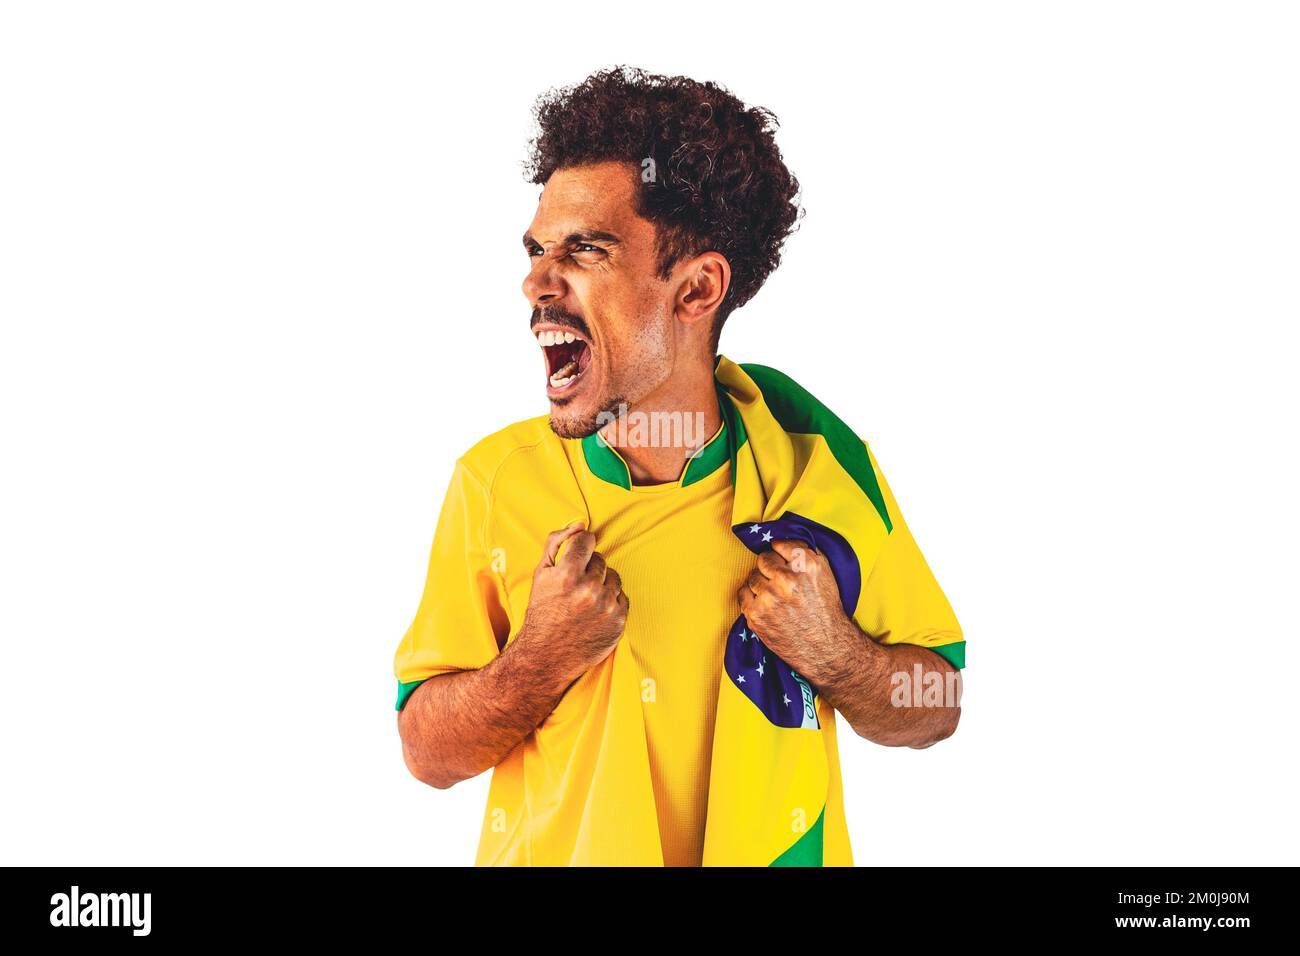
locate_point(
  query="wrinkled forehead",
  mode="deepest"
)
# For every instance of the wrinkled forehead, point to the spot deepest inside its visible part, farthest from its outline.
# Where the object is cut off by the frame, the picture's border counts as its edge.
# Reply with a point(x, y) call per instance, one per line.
point(581, 199)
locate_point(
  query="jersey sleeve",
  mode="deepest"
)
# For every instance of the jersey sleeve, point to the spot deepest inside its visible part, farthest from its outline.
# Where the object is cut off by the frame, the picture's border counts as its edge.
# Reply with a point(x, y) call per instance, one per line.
point(901, 602)
point(461, 622)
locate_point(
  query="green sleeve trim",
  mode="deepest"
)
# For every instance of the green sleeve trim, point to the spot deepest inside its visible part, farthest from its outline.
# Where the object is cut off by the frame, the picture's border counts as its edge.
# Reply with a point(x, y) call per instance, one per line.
point(405, 690)
point(807, 850)
point(954, 654)
point(798, 411)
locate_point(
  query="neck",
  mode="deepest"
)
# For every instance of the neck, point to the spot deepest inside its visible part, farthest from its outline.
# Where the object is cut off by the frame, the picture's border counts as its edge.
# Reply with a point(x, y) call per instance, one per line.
point(656, 437)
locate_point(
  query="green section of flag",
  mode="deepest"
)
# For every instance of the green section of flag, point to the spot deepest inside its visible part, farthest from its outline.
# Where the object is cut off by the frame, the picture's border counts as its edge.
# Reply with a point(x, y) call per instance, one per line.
point(798, 411)
point(807, 850)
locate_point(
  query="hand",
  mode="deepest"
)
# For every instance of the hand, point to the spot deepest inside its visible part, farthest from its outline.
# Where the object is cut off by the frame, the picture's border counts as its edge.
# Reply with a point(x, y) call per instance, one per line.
point(792, 603)
point(577, 609)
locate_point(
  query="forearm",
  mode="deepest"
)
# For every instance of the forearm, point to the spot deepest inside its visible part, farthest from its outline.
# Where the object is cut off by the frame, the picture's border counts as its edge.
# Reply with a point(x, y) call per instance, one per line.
point(863, 683)
point(455, 726)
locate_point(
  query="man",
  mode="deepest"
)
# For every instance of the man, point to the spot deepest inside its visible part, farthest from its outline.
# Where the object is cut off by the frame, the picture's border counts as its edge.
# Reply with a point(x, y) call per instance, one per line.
point(645, 608)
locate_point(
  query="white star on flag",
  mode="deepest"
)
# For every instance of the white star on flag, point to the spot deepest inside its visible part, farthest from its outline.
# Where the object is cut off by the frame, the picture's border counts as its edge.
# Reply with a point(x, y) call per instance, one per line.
point(786, 698)
point(760, 668)
point(767, 536)
point(754, 529)
point(740, 679)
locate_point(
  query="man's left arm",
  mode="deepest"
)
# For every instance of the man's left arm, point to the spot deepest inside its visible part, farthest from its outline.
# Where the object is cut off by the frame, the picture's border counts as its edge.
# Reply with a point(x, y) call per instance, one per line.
point(893, 690)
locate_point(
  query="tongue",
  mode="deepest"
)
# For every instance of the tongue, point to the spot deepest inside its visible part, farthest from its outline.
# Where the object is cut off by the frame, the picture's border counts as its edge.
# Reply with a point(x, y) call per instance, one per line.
point(573, 358)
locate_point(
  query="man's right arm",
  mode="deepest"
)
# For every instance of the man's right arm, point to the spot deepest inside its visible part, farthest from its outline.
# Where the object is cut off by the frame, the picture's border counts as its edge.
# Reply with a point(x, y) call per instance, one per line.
point(456, 725)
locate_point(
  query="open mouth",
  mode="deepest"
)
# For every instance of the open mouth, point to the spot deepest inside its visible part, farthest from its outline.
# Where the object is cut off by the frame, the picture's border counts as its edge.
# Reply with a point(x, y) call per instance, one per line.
point(567, 357)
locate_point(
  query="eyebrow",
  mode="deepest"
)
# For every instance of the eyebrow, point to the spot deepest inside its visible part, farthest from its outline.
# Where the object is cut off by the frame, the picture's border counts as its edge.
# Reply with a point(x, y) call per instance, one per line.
point(573, 238)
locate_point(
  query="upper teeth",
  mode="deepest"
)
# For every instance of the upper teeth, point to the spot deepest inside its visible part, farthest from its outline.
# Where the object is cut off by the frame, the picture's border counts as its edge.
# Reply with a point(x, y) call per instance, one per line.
point(554, 338)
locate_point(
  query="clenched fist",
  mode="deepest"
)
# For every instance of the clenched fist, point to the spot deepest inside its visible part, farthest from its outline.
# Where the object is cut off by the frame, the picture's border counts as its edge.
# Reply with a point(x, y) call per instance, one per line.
point(578, 608)
point(792, 603)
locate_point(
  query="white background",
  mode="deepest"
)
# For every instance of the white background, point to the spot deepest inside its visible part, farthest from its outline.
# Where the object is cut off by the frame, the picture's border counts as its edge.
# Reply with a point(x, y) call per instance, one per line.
point(259, 284)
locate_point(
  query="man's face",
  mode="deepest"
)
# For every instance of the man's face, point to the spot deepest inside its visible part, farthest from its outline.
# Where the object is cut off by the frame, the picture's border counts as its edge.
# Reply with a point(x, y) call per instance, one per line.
point(602, 315)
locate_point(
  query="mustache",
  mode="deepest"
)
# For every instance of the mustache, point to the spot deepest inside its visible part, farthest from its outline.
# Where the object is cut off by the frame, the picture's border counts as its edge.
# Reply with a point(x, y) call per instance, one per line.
point(556, 315)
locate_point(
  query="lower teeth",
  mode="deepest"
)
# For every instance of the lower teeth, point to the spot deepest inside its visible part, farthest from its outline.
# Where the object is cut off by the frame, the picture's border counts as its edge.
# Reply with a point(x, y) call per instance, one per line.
point(562, 376)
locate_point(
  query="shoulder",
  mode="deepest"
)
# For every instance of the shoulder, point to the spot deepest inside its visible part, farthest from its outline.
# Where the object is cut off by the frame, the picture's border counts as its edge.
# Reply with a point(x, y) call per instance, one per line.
point(498, 452)
point(799, 412)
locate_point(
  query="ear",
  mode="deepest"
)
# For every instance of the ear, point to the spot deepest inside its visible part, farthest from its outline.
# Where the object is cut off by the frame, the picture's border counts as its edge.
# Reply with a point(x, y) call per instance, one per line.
point(704, 282)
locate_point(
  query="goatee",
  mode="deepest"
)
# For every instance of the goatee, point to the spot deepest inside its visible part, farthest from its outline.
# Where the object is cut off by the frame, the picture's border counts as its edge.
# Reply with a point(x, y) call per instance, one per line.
point(587, 425)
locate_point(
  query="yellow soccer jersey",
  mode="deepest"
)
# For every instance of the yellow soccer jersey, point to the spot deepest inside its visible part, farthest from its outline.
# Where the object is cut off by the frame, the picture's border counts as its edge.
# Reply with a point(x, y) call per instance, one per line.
point(680, 565)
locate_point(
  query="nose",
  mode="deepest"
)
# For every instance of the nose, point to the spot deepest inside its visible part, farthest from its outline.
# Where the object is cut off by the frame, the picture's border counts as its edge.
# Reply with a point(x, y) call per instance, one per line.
point(543, 284)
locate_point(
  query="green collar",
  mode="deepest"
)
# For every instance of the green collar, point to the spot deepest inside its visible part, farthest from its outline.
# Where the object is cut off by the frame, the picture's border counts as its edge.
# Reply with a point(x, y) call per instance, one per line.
point(607, 464)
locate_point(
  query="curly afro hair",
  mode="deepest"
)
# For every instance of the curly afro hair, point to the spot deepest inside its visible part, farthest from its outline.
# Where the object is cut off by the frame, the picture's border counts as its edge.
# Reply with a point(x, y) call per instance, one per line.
point(716, 181)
